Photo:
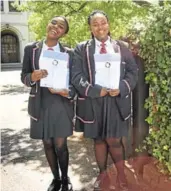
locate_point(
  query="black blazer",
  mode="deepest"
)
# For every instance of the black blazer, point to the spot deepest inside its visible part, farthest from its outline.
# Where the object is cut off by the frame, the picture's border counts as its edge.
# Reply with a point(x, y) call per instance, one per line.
point(30, 63)
point(83, 79)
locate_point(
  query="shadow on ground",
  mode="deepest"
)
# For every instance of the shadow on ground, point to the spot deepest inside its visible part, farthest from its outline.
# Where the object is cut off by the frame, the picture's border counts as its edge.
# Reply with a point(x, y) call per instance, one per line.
point(9, 89)
point(17, 147)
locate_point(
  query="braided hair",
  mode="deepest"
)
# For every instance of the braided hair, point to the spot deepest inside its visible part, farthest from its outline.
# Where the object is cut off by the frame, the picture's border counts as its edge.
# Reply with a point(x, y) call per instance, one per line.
point(94, 13)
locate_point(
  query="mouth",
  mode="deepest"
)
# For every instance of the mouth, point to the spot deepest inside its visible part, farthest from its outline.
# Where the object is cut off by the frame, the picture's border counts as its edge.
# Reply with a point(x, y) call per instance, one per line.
point(54, 32)
point(101, 32)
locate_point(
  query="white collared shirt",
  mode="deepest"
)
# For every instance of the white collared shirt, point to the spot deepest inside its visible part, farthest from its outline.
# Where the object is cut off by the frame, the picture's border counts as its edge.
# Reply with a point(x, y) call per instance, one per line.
point(108, 45)
point(56, 48)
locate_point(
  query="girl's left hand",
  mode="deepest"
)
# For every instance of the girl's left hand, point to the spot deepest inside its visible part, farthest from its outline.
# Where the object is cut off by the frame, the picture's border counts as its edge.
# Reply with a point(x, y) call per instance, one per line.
point(114, 92)
point(63, 93)
point(53, 91)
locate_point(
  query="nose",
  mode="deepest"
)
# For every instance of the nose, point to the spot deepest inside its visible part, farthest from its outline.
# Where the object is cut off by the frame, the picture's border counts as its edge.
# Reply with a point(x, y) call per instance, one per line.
point(100, 26)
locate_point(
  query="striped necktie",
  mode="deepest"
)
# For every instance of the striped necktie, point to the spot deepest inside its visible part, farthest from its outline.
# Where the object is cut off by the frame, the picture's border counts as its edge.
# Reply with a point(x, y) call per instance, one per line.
point(50, 49)
point(103, 48)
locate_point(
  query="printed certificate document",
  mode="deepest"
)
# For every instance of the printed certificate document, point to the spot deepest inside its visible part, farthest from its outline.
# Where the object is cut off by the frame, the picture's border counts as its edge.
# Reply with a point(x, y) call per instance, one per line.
point(56, 64)
point(107, 67)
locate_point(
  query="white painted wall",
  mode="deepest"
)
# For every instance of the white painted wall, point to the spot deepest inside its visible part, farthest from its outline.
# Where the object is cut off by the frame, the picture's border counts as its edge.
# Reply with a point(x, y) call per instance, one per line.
point(18, 23)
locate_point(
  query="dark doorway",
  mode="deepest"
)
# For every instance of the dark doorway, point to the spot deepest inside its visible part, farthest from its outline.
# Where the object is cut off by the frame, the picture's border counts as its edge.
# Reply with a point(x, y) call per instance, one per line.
point(9, 47)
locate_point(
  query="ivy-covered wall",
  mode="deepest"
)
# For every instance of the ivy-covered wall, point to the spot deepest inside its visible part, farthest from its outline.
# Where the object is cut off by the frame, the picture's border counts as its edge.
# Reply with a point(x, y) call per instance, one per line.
point(156, 51)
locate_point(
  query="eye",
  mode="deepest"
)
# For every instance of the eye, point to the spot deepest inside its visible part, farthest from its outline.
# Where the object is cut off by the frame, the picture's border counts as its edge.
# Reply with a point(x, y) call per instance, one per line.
point(104, 23)
point(61, 27)
point(53, 22)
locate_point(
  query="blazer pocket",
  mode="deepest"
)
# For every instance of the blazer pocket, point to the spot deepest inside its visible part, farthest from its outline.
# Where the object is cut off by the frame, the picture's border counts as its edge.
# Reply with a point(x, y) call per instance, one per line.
point(124, 106)
point(84, 110)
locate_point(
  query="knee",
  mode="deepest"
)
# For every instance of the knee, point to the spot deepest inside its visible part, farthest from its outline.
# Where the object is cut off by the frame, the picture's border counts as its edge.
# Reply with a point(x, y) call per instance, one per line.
point(61, 147)
point(113, 142)
point(48, 145)
point(99, 142)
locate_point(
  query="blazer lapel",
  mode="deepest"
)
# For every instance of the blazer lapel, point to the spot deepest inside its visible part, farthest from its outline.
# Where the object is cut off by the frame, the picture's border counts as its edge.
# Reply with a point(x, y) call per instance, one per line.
point(90, 50)
point(36, 54)
point(62, 49)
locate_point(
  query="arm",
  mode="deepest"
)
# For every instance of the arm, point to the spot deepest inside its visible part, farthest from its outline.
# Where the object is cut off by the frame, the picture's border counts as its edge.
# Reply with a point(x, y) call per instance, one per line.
point(131, 74)
point(78, 78)
point(26, 68)
point(72, 92)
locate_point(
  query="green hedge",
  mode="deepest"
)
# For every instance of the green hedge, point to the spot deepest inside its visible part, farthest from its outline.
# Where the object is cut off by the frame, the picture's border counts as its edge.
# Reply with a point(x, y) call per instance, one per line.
point(156, 51)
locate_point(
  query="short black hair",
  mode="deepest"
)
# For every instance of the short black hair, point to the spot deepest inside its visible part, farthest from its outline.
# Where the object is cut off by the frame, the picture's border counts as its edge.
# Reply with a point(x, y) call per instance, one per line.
point(63, 17)
point(97, 12)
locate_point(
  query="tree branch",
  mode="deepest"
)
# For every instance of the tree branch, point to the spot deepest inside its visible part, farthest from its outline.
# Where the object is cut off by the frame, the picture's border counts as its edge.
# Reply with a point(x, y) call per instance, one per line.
point(76, 11)
point(142, 3)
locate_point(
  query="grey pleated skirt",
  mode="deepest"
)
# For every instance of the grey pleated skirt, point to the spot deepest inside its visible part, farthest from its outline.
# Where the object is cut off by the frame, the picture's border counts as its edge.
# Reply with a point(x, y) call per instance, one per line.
point(108, 122)
point(56, 117)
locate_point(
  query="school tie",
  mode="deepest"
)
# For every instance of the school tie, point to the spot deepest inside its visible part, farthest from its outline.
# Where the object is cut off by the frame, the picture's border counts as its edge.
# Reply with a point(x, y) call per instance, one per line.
point(103, 48)
point(50, 49)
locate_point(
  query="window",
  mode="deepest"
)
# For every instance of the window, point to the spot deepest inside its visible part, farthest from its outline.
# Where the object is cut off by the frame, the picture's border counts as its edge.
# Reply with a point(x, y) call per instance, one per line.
point(9, 48)
point(11, 6)
point(2, 5)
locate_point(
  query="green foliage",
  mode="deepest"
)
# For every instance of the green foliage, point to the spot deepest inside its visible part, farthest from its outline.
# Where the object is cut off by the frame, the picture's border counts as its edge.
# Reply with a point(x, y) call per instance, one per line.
point(156, 51)
point(120, 14)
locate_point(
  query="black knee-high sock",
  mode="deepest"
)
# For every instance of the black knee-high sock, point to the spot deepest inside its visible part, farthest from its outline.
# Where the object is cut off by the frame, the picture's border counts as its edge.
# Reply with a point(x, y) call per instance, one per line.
point(116, 152)
point(51, 157)
point(101, 153)
point(63, 155)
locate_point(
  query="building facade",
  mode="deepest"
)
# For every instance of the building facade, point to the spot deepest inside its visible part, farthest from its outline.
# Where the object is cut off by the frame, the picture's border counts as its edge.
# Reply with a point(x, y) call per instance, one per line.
point(14, 34)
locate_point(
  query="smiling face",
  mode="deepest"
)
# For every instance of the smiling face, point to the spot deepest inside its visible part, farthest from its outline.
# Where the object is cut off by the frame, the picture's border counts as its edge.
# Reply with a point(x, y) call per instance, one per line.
point(99, 26)
point(56, 28)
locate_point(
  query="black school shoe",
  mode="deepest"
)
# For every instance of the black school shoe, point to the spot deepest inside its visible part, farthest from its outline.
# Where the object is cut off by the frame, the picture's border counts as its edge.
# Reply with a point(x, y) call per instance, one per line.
point(55, 185)
point(66, 185)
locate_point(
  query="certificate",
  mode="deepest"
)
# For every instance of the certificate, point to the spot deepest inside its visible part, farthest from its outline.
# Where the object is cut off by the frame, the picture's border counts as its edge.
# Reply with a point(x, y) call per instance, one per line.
point(56, 64)
point(107, 70)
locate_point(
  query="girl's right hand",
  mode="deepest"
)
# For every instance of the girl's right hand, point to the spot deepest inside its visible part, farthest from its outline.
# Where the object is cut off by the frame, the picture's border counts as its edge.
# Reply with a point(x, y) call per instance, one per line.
point(103, 92)
point(38, 74)
point(64, 93)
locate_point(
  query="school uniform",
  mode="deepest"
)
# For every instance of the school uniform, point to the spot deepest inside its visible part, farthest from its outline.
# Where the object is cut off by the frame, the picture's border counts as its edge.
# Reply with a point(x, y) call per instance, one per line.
point(51, 115)
point(102, 117)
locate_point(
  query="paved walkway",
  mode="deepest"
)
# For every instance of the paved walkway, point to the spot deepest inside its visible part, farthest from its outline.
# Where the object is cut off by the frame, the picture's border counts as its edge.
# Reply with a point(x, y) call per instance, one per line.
point(24, 166)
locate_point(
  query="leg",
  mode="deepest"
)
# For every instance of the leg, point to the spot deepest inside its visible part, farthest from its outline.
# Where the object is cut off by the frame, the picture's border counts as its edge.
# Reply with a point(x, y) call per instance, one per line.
point(116, 152)
point(63, 156)
point(51, 157)
point(101, 153)
point(53, 163)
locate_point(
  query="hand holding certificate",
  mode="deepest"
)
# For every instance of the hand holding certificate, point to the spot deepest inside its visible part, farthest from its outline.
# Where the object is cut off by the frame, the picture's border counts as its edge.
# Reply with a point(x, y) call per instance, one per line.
point(107, 70)
point(64, 93)
point(56, 64)
point(38, 74)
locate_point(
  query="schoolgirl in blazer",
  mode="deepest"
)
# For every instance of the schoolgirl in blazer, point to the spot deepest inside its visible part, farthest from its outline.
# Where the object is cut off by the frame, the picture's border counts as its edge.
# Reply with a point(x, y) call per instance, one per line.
point(51, 112)
point(102, 114)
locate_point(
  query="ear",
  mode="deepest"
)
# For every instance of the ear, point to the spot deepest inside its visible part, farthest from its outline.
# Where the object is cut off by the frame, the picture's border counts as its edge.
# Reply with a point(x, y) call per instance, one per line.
point(90, 28)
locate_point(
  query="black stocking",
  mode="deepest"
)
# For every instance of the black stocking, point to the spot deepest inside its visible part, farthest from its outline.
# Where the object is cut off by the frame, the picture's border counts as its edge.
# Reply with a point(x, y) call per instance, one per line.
point(116, 152)
point(51, 157)
point(63, 155)
point(101, 153)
